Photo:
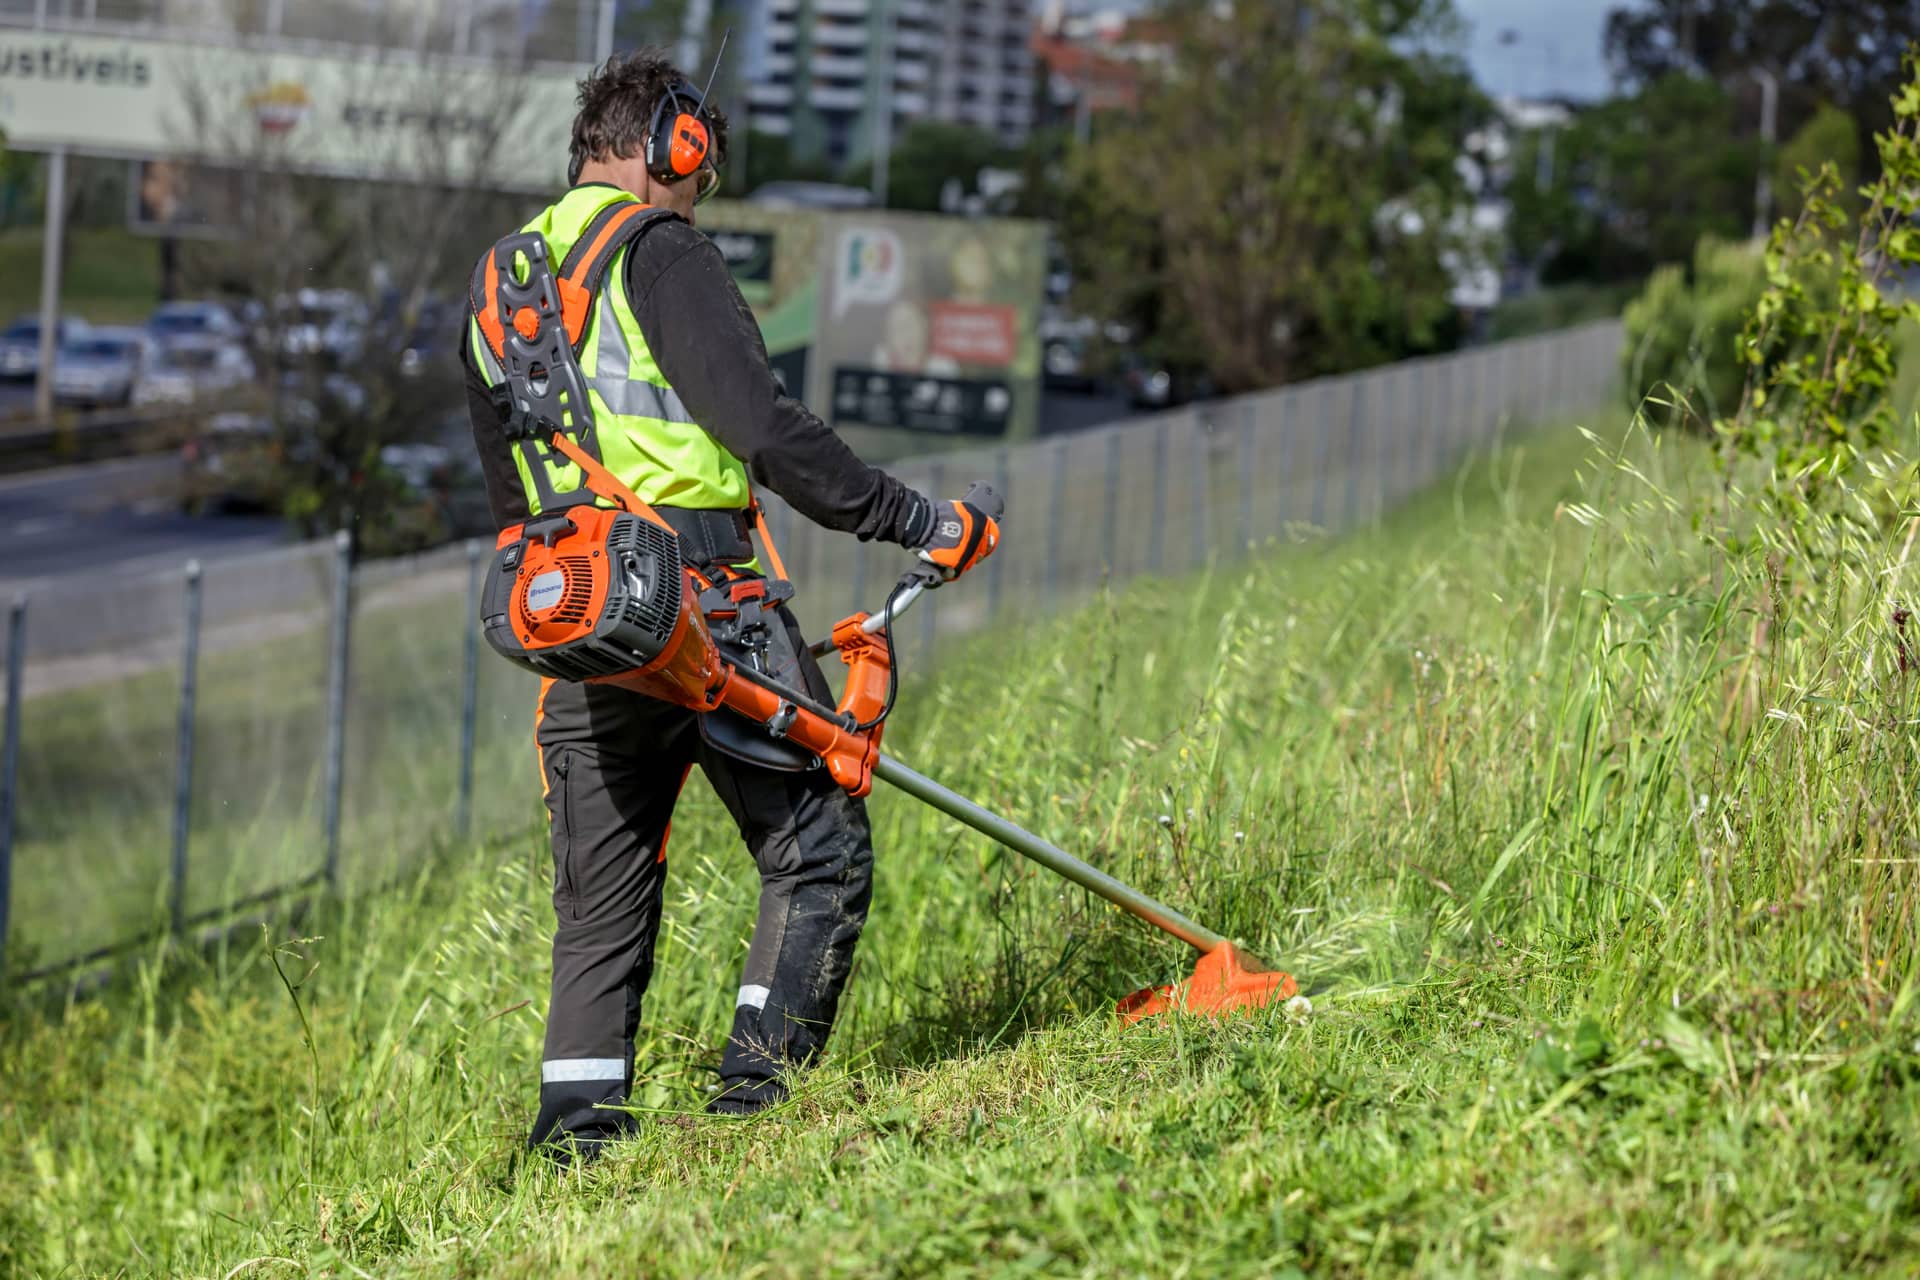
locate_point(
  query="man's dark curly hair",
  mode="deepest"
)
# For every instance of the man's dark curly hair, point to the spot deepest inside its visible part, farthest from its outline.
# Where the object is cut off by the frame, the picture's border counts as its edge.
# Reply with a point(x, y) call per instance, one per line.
point(616, 105)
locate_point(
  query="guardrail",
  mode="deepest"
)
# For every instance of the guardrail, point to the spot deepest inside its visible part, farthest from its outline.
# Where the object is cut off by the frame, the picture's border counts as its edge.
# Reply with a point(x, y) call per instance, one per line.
point(180, 745)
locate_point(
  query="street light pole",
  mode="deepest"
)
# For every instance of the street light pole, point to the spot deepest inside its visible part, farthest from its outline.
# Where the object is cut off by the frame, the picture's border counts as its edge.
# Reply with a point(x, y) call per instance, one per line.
point(1769, 124)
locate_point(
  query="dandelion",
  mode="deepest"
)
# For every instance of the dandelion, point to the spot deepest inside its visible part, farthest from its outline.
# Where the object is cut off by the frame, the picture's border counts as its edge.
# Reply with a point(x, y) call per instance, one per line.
point(1165, 819)
point(1298, 1009)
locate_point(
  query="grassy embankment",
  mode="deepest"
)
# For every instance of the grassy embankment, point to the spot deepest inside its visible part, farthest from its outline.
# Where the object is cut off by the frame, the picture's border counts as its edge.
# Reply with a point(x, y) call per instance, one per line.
point(112, 275)
point(1598, 860)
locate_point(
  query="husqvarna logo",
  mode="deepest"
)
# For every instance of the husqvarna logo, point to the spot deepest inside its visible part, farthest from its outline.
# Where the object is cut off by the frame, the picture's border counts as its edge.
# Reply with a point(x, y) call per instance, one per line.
point(545, 591)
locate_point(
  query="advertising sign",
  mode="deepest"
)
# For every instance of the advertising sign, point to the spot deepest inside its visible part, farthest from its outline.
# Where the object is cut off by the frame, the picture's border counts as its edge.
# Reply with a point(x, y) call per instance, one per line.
point(928, 324)
point(749, 256)
point(388, 114)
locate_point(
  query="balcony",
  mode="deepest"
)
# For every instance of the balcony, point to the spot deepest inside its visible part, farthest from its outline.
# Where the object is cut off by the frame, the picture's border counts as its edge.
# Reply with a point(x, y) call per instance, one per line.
point(841, 9)
point(910, 104)
point(825, 97)
point(834, 35)
point(838, 66)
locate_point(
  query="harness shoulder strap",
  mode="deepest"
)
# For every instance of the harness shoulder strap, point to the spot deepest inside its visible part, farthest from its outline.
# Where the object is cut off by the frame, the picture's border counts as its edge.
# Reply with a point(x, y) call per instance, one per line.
point(576, 284)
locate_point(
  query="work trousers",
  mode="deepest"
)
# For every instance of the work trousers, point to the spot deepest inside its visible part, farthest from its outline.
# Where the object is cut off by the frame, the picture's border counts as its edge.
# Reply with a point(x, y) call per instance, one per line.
point(614, 763)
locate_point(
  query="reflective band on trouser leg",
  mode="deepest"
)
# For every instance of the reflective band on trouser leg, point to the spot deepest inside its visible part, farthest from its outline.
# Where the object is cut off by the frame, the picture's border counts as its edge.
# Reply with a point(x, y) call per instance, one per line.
point(568, 1070)
point(752, 996)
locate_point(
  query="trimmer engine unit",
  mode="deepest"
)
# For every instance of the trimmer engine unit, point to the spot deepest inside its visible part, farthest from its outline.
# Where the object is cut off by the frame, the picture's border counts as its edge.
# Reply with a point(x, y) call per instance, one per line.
point(601, 595)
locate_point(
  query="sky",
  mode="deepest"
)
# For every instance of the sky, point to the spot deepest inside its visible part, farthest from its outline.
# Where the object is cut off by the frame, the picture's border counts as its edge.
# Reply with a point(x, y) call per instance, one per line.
point(1558, 51)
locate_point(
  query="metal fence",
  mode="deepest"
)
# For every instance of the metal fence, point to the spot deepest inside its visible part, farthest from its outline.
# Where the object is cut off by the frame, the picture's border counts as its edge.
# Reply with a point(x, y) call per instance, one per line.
point(181, 745)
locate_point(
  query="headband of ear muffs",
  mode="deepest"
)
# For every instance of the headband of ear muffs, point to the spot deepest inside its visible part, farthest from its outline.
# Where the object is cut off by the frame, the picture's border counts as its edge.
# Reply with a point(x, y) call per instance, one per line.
point(678, 140)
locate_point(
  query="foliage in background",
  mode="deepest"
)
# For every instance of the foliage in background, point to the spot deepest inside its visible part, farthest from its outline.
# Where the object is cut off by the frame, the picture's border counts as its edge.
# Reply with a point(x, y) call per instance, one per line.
point(1637, 181)
point(1819, 361)
point(1276, 207)
point(1680, 334)
point(1558, 306)
point(1828, 138)
point(1847, 54)
point(929, 154)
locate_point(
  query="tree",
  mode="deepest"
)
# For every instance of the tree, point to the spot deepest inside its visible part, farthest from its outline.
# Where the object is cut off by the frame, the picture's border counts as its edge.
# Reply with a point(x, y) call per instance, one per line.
point(1637, 181)
point(402, 245)
point(1828, 138)
point(1823, 51)
point(1278, 204)
point(928, 155)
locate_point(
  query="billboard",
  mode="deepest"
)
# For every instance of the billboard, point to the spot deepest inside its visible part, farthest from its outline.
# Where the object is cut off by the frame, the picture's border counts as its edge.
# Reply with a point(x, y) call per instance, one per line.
point(387, 114)
point(928, 325)
point(898, 329)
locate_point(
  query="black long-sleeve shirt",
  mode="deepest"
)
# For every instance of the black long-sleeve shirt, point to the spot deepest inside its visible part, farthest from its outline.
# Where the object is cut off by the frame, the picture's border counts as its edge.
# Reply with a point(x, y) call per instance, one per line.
point(704, 338)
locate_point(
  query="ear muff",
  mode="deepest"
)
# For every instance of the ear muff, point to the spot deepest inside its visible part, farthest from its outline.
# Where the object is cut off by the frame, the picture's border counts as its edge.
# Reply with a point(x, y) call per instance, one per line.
point(688, 150)
point(678, 140)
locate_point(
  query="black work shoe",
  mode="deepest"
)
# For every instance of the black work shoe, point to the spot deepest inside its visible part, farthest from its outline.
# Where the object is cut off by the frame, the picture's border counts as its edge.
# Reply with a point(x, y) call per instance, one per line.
point(746, 1097)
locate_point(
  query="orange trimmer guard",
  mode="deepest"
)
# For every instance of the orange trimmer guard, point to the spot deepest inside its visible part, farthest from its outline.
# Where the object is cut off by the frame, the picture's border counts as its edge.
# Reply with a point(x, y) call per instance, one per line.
point(1221, 984)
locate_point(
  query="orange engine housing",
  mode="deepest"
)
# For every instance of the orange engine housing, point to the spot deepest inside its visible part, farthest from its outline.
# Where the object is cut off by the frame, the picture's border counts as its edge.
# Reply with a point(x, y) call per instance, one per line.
point(596, 594)
point(592, 594)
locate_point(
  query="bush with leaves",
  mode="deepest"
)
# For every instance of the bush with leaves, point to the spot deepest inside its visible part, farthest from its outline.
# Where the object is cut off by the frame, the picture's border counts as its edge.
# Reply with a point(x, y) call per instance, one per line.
point(1820, 362)
point(1679, 355)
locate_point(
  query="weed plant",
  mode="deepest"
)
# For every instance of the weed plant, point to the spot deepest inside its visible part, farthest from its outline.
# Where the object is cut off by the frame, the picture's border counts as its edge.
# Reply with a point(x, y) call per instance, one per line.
point(1594, 847)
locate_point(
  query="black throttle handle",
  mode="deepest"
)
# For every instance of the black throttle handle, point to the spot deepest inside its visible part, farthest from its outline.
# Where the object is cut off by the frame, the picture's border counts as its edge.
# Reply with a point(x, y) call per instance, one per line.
point(987, 498)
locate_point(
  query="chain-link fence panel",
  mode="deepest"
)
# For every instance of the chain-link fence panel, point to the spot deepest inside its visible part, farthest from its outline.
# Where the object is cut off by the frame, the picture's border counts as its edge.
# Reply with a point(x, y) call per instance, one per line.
point(365, 716)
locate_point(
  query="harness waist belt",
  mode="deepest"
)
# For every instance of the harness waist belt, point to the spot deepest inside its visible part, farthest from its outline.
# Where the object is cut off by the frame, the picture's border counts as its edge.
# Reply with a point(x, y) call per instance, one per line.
point(711, 537)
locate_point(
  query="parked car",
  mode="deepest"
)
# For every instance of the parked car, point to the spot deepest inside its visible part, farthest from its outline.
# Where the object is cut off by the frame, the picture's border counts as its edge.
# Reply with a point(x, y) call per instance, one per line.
point(226, 466)
point(174, 321)
point(101, 366)
point(20, 344)
point(1151, 384)
point(194, 369)
point(326, 323)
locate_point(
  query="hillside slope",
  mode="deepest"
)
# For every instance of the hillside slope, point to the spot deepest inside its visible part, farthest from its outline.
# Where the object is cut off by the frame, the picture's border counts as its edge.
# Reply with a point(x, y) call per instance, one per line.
point(1612, 970)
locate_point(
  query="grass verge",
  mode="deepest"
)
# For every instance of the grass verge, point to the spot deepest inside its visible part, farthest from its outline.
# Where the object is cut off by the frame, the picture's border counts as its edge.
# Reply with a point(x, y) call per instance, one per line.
point(1597, 860)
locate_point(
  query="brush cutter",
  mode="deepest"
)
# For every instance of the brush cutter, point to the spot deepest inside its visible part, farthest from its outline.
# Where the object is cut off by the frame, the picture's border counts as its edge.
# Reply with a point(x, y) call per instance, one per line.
point(588, 593)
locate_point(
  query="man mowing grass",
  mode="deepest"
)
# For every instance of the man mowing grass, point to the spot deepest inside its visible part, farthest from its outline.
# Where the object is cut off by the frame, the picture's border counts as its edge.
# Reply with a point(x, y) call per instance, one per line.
point(687, 414)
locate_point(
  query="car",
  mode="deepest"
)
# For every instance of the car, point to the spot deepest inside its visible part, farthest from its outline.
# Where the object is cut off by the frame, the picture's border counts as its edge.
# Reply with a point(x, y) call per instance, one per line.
point(101, 366)
point(328, 324)
point(20, 344)
point(1153, 384)
point(1065, 366)
point(190, 369)
point(173, 321)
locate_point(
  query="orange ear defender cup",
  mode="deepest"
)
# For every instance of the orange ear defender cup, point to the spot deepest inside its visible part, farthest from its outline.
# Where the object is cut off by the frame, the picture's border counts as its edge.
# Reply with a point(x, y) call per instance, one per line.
point(688, 151)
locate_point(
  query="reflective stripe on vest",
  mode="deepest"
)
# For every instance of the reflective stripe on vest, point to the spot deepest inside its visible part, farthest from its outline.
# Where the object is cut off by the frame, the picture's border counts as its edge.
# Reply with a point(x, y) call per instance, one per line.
point(646, 437)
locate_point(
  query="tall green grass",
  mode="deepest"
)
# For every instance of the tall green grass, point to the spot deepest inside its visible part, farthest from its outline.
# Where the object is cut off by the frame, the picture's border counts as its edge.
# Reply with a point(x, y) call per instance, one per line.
point(1595, 850)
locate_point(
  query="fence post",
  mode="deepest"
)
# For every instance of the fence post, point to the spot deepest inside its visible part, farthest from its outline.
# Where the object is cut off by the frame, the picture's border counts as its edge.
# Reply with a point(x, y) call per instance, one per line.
point(1246, 474)
point(1321, 448)
point(337, 700)
point(1111, 529)
point(1056, 513)
point(1202, 491)
point(929, 635)
point(183, 754)
point(469, 692)
point(1002, 481)
point(1157, 526)
point(1354, 419)
point(10, 761)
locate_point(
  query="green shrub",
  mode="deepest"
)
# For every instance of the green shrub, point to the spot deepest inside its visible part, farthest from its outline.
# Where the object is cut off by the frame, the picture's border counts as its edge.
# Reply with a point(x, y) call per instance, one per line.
point(1681, 333)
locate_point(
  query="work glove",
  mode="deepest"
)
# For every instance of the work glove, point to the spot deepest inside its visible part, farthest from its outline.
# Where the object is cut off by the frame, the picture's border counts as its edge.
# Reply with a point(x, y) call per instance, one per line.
point(965, 532)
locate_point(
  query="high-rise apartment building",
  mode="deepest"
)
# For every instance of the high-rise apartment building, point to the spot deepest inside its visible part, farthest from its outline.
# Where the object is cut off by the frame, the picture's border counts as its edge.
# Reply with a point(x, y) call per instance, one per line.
point(821, 71)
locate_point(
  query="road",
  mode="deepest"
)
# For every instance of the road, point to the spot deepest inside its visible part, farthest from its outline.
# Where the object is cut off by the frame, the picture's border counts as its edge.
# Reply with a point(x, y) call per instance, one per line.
point(111, 518)
point(120, 517)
